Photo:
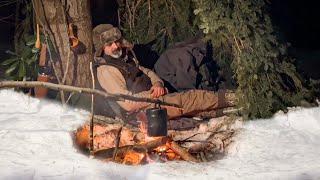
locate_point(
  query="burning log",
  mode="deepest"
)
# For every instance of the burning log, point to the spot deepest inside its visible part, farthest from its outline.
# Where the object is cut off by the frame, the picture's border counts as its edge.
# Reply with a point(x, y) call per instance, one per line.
point(134, 158)
point(171, 155)
point(184, 154)
point(105, 136)
point(148, 147)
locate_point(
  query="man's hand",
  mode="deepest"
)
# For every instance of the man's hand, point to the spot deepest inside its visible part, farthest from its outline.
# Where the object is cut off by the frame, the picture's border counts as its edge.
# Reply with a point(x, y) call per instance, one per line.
point(158, 90)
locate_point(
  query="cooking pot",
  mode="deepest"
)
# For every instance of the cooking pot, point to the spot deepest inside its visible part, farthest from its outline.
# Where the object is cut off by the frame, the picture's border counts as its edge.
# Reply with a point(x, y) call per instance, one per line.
point(157, 121)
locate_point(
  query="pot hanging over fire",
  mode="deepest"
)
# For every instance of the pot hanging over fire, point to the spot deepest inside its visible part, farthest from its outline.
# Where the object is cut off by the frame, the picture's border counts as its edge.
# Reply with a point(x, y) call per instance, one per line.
point(157, 121)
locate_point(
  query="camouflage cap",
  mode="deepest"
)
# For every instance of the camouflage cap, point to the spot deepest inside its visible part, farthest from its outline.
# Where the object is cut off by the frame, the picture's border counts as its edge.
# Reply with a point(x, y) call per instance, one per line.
point(104, 34)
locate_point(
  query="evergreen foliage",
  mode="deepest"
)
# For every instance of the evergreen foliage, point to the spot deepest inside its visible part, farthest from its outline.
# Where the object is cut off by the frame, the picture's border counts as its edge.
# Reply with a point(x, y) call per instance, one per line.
point(244, 41)
point(23, 63)
point(241, 32)
point(167, 21)
point(23, 66)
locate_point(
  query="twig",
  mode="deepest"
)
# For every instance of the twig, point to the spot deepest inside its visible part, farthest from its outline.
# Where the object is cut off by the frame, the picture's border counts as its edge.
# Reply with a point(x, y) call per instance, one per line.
point(6, 22)
point(92, 110)
point(54, 68)
point(69, 49)
point(16, 39)
point(149, 11)
point(241, 43)
point(189, 137)
point(16, 27)
point(103, 120)
point(6, 4)
point(134, 10)
point(232, 110)
point(117, 143)
point(119, 20)
point(11, 53)
point(200, 141)
point(48, 28)
point(70, 95)
point(130, 15)
point(59, 87)
point(135, 59)
point(236, 41)
point(67, 67)
point(203, 157)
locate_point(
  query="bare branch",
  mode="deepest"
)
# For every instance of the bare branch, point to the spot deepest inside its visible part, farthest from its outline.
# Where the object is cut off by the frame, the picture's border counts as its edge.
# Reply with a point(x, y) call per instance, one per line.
point(58, 87)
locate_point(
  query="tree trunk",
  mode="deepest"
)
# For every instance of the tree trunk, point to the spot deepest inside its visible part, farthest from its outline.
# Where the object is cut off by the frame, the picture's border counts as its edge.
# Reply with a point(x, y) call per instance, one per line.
point(71, 63)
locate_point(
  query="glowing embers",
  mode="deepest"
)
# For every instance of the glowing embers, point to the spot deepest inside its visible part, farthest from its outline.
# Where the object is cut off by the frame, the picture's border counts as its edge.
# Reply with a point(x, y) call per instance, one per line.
point(163, 153)
point(188, 140)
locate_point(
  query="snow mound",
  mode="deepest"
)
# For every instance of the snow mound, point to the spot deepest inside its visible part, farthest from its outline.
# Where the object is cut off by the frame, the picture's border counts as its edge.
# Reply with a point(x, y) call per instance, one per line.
point(36, 144)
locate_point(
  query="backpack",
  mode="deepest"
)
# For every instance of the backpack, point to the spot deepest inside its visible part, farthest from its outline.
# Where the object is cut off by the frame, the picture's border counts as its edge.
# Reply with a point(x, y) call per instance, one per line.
point(188, 65)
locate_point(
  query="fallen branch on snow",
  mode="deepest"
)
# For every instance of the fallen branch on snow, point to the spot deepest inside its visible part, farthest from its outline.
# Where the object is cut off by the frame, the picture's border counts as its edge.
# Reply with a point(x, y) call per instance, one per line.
point(116, 97)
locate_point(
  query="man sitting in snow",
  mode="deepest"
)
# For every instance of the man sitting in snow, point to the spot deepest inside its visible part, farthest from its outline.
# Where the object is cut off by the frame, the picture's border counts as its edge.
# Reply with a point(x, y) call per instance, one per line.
point(119, 72)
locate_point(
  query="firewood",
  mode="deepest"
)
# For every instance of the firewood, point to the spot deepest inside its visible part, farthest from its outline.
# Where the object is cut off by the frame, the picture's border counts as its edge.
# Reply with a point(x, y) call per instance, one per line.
point(103, 120)
point(149, 146)
point(204, 143)
point(183, 153)
point(200, 147)
point(134, 158)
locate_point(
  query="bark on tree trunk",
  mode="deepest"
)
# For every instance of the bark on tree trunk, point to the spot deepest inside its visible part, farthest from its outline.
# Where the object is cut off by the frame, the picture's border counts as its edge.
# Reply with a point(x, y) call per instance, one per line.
point(56, 15)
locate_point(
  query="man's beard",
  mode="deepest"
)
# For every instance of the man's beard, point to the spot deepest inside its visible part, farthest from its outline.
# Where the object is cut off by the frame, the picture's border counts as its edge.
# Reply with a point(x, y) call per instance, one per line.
point(116, 54)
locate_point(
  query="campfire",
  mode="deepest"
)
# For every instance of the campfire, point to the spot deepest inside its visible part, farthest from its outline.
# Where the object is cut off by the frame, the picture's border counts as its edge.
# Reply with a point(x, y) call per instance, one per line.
point(187, 139)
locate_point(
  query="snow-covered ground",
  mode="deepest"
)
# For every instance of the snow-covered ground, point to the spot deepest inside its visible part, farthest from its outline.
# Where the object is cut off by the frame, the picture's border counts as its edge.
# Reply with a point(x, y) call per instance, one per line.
point(35, 143)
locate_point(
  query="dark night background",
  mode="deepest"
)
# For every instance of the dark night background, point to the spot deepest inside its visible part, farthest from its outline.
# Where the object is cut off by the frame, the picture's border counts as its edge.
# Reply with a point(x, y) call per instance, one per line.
point(296, 21)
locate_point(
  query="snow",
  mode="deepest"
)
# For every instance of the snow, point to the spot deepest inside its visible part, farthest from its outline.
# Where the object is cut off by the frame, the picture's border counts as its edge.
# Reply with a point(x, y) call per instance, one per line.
point(36, 143)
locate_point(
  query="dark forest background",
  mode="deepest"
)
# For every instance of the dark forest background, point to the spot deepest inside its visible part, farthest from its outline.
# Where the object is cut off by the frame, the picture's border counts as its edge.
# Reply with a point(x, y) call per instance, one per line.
point(296, 21)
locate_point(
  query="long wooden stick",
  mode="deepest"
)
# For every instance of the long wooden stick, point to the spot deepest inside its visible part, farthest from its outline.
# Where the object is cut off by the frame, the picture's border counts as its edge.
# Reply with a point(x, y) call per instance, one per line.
point(62, 97)
point(92, 109)
point(116, 97)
